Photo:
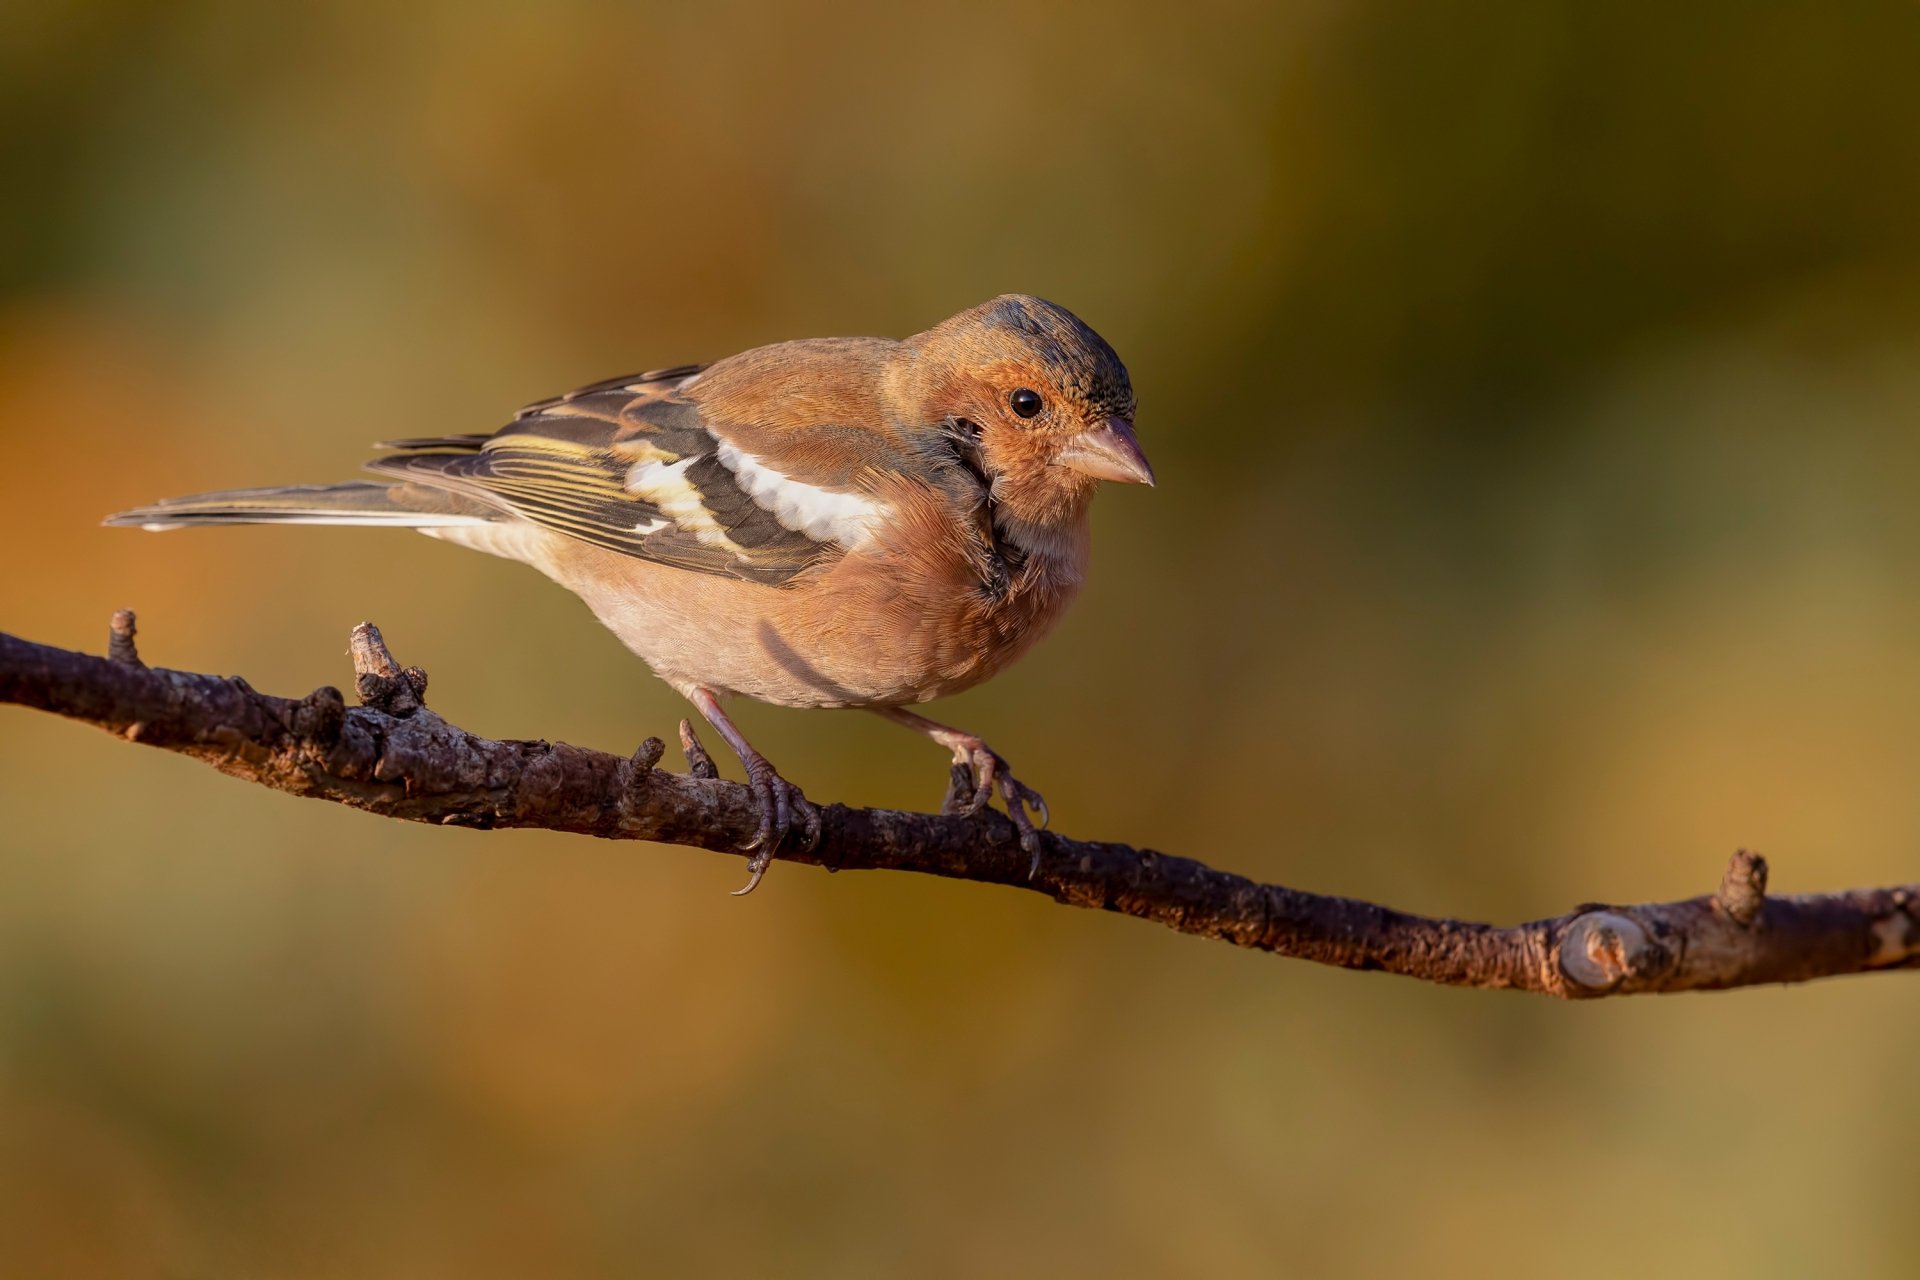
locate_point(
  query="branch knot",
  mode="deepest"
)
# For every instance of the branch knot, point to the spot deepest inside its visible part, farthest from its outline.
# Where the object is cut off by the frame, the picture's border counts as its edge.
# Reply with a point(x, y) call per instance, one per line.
point(320, 716)
point(1604, 949)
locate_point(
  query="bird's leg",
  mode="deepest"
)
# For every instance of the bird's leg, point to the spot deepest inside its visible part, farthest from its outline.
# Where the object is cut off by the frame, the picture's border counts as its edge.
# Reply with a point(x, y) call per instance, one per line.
point(978, 772)
point(777, 799)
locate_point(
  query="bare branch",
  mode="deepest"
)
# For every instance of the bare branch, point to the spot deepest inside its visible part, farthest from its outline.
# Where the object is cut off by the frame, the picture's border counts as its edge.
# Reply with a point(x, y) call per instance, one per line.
point(394, 756)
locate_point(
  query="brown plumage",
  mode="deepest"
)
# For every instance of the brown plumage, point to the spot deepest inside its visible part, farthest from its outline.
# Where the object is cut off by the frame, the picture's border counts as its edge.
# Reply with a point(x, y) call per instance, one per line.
point(844, 522)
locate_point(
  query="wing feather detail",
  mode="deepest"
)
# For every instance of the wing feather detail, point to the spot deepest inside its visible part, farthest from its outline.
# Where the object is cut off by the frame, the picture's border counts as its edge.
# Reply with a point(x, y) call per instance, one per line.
point(630, 466)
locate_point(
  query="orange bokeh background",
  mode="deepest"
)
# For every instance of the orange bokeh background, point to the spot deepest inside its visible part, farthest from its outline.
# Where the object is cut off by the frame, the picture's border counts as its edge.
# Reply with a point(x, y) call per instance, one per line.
point(1532, 390)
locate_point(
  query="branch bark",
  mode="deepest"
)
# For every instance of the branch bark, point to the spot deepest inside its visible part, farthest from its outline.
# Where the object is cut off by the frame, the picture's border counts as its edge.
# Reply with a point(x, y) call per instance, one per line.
point(393, 756)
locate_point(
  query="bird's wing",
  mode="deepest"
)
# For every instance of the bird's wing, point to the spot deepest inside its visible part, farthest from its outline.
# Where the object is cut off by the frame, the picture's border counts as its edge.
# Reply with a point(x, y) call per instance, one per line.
point(636, 465)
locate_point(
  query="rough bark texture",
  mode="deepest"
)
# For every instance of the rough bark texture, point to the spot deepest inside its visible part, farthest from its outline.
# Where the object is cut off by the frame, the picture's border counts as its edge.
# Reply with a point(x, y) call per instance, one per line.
point(393, 756)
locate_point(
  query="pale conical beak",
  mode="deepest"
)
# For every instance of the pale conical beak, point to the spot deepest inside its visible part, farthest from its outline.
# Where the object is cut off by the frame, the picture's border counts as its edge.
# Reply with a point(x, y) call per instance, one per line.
point(1108, 452)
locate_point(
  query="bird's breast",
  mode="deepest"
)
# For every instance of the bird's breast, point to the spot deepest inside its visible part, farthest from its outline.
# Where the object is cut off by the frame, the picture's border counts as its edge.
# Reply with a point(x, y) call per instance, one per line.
point(922, 609)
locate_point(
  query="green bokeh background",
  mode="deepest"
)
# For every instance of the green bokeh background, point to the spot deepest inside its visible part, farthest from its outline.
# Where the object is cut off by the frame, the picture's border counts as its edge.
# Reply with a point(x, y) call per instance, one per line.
point(1533, 391)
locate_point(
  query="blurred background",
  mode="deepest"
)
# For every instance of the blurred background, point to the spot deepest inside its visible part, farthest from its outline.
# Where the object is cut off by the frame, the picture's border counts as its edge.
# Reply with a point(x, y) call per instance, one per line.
point(1533, 391)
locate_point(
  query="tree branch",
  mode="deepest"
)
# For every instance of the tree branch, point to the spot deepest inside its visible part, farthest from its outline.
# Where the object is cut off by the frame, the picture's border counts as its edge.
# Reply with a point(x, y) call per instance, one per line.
point(394, 756)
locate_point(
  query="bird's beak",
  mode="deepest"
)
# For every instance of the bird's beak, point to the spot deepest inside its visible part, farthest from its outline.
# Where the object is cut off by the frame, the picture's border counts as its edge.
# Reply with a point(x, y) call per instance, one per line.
point(1108, 452)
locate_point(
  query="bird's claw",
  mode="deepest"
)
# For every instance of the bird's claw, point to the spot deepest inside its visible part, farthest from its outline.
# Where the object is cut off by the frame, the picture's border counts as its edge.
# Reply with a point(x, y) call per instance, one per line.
point(978, 773)
point(976, 767)
point(778, 802)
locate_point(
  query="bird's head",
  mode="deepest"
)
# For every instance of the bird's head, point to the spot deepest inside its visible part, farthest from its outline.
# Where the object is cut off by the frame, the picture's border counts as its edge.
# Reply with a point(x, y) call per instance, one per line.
point(1040, 398)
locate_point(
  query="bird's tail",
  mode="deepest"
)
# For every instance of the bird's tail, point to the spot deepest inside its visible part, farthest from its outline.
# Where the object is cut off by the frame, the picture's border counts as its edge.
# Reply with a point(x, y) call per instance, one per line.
point(394, 506)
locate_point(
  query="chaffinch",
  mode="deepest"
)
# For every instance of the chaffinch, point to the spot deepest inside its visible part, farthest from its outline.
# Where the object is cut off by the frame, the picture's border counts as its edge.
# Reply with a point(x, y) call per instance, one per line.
point(840, 522)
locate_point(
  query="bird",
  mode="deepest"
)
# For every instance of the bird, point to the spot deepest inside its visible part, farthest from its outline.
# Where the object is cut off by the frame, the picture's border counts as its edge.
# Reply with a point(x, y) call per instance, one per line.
point(833, 522)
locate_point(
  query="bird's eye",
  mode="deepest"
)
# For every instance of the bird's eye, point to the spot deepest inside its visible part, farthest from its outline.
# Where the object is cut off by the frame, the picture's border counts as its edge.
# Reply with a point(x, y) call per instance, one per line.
point(1025, 402)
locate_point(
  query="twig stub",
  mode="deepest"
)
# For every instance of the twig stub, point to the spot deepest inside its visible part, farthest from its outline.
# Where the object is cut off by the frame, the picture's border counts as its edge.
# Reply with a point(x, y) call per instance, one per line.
point(379, 680)
point(120, 645)
point(699, 763)
point(1743, 889)
point(640, 766)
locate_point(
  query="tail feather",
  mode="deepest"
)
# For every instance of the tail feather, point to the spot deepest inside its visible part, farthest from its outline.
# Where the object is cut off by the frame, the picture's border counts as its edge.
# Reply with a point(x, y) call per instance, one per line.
point(402, 506)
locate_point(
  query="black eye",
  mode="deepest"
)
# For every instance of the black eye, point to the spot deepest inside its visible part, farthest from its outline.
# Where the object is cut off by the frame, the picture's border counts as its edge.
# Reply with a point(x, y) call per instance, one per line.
point(1025, 402)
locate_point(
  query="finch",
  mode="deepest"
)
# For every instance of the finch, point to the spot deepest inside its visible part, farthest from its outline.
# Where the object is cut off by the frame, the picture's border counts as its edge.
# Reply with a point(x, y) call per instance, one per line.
point(833, 522)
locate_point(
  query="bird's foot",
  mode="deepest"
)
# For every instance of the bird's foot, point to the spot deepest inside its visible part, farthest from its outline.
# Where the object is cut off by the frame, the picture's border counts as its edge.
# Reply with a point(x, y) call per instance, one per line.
point(779, 803)
point(978, 773)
